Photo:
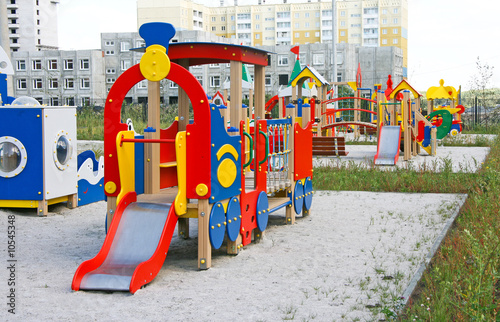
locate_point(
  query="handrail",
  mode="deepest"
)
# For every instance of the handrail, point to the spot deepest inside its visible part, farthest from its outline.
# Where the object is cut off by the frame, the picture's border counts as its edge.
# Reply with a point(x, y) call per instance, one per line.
point(251, 149)
point(267, 147)
point(146, 140)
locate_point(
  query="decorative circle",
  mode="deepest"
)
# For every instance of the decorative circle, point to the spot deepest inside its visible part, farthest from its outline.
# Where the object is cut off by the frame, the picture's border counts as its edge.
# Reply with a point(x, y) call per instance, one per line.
point(298, 197)
point(308, 193)
point(454, 132)
point(110, 187)
point(216, 229)
point(13, 157)
point(202, 189)
point(262, 211)
point(63, 150)
point(155, 64)
point(226, 173)
point(233, 219)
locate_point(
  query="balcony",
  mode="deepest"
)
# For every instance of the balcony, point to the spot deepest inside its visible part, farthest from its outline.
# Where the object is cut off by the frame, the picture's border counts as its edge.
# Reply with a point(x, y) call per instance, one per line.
point(12, 6)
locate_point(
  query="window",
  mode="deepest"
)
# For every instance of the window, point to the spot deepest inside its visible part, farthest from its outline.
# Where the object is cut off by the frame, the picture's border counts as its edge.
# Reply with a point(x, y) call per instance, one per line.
point(327, 13)
point(395, 21)
point(395, 11)
point(316, 14)
point(69, 83)
point(297, 35)
point(54, 101)
point(110, 71)
point(384, 41)
point(395, 41)
point(222, 18)
point(69, 101)
point(283, 14)
point(109, 52)
point(172, 84)
point(213, 65)
point(84, 64)
point(283, 79)
point(318, 59)
point(384, 11)
point(124, 46)
point(223, 28)
point(53, 83)
point(297, 25)
point(125, 64)
point(109, 43)
point(68, 64)
point(327, 23)
point(110, 80)
point(257, 36)
point(214, 81)
point(232, 18)
point(243, 16)
point(257, 26)
point(21, 65)
point(384, 31)
point(306, 14)
point(384, 21)
point(342, 23)
point(342, 13)
point(355, 15)
point(307, 34)
point(316, 34)
point(214, 28)
point(395, 31)
point(22, 83)
point(257, 17)
point(140, 43)
point(52, 64)
point(282, 60)
point(283, 25)
point(342, 33)
point(36, 64)
point(213, 19)
point(85, 83)
point(85, 101)
point(267, 80)
point(317, 24)
point(37, 83)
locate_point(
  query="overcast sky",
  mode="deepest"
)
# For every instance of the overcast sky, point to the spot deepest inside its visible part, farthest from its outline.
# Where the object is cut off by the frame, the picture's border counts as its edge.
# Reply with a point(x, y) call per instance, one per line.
point(445, 37)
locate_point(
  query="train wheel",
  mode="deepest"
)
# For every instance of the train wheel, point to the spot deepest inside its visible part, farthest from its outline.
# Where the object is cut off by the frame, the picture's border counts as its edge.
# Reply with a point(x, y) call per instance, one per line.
point(298, 197)
point(262, 211)
point(233, 215)
point(217, 229)
point(308, 194)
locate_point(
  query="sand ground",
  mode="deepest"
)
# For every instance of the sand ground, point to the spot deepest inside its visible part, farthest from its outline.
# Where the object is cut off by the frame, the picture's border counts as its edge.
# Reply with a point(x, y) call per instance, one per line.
point(355, 255)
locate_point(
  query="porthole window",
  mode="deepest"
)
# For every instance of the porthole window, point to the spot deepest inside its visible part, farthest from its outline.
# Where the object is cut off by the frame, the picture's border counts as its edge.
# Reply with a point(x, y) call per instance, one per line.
point(63, 150)
point(13, 157)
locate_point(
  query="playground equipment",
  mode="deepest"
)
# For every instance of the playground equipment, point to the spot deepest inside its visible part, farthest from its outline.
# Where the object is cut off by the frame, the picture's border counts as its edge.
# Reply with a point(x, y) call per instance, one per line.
point(440, 115)
point(194, 169)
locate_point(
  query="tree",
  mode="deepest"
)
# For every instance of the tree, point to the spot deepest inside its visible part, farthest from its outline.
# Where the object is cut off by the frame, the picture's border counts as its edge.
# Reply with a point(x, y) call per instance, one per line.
point(480, 85)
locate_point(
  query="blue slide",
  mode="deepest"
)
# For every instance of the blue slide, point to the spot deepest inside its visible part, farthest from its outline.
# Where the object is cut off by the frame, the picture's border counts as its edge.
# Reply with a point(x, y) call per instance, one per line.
point(388, 145)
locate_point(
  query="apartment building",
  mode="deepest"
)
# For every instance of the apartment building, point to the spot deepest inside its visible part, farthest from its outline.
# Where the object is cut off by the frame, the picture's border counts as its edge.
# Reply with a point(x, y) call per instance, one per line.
point(31, 25)
point(371, 23)
point(74, 77)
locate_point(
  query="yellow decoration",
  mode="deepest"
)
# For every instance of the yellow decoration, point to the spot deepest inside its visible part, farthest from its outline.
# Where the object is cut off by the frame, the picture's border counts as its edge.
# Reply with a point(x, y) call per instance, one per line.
point(202, 189)
point(126, 163)
point(227, 148)
point(180, 202)
point(226, 173)
point(110, 187)
point(155, 64)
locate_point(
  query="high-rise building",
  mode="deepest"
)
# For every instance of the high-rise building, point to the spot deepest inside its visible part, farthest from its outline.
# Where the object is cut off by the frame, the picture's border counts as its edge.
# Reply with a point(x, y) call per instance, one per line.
point(372, 23)
point(31, 25)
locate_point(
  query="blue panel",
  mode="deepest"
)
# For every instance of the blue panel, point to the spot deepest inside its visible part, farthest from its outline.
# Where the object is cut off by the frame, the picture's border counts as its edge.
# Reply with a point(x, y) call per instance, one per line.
point(308, 193)
point(219, 138)
point(88, 193)
point(216, 227)
point(298, 197)
point(233, 219)
point(24, 124)
point(86, 155)
point(3, 87)
point(405, 72)
point(139, 166)
point(262, 211)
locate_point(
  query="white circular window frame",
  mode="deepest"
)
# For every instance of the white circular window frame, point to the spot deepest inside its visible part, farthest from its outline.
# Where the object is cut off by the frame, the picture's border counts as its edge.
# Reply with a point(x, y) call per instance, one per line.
point(58, 164)
point(24, 157)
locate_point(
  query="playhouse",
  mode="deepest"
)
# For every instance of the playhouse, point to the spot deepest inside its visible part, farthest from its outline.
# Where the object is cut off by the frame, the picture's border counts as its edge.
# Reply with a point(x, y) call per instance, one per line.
point(226, 178)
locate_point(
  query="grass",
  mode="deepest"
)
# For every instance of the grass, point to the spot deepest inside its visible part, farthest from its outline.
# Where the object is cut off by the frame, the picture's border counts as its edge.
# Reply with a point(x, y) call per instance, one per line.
point(462, 282)
point(90, 121)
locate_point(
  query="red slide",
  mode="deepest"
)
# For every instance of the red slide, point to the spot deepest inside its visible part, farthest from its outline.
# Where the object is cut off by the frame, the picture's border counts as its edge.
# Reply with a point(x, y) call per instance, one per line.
point(134, 248)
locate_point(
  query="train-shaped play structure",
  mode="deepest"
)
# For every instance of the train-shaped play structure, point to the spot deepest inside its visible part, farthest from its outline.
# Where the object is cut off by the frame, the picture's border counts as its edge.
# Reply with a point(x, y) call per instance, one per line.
point(228, 178)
